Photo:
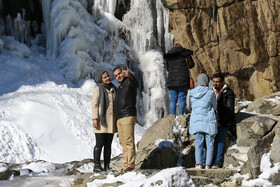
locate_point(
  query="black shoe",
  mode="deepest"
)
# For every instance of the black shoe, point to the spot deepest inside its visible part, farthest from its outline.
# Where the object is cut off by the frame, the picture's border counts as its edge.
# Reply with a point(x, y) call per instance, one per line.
point(216, 166)
point(106, 167)
point(97, 168)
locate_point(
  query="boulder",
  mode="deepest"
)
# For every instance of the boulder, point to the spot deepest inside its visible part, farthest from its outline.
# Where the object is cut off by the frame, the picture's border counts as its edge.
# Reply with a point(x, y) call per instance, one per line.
point(266, 105)
point(252, 129)
point(236, 156)
point(162, 129)
point(275, 179)
point(259, 147)
point(163, 142)
point(275, 150)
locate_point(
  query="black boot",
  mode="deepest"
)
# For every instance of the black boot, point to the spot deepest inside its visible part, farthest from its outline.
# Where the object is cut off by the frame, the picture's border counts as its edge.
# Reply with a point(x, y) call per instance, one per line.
point(96, 155)
point(107, 158)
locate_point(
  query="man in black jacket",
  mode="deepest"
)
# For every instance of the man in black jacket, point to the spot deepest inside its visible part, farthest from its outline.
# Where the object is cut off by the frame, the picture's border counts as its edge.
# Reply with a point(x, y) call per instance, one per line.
point(178, 81)
point(125, 104)
point(225, 114)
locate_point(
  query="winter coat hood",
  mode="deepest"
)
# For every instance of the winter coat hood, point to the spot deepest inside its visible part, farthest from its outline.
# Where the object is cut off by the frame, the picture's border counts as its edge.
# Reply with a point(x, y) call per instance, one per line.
point(199, 91)
point(202, 80)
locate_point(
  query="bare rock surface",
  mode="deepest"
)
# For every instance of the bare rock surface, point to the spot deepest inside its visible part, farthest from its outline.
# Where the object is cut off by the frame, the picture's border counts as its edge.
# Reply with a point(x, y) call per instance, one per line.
point(237, 38)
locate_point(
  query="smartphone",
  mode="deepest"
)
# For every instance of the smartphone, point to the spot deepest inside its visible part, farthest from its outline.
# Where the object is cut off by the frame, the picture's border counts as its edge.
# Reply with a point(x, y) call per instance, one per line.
point(124, 67)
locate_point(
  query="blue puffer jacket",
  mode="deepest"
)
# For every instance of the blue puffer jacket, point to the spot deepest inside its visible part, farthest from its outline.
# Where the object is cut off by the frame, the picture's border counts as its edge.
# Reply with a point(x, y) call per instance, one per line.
point(203, 118)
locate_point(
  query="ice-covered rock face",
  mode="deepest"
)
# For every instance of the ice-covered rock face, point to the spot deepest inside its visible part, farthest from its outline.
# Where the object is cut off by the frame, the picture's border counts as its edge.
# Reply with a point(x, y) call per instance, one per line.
point(148, 25)
point(82, 43)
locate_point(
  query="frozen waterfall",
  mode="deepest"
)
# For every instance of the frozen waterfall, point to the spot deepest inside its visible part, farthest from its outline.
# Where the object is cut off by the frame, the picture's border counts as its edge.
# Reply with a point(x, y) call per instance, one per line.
point(82, 43)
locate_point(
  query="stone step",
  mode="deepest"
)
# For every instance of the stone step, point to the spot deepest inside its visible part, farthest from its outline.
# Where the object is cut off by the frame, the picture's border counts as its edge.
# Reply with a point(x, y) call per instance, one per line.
point(212, 173)
point(203, 177)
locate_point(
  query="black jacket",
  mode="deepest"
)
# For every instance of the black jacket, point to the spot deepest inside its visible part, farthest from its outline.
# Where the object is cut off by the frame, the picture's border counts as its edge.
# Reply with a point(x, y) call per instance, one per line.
point(178, 71)
point(125, 102)
point(225, 107)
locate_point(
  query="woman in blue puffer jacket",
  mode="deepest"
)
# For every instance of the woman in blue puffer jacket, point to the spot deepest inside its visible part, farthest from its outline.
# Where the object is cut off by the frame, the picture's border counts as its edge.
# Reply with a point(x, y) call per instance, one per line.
point(203, 124)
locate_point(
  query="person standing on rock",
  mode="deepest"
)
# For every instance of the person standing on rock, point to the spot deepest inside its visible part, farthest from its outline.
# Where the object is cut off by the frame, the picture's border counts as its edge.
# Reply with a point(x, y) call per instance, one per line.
point(203, 123)
point(103, 118)
point(126, 114)
point(178, 62)
point(225, 114)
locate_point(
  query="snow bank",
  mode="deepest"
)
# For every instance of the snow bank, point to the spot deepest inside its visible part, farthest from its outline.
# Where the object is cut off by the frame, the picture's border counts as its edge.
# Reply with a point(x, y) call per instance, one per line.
point(176, 177)
point(47, 116)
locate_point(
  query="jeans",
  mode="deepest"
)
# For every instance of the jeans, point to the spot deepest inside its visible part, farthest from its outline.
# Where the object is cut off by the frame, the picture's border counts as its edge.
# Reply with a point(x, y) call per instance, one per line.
point(199, 150)
point(219, 141)
point(176, 93)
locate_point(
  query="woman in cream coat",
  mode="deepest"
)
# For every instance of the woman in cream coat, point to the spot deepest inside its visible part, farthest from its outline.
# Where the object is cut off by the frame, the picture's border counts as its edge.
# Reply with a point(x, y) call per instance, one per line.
point(103, 118)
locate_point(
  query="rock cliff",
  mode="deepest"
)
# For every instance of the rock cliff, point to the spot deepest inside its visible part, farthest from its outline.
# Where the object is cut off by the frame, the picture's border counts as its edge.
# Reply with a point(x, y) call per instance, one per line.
point(240, 38)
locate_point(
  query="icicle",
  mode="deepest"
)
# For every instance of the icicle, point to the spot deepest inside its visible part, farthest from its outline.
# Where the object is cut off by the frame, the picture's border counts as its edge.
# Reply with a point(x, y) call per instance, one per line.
point(18, 28)
point(9, 25)
point(46, 7)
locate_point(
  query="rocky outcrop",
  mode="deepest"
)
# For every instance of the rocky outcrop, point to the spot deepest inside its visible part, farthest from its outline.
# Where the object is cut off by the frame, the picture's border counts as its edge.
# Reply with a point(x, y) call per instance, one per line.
point(257, 134)
point(237, 38)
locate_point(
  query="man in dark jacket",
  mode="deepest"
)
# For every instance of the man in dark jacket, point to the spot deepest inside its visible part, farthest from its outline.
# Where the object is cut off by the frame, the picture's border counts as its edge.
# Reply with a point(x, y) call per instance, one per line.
point(225, 114)
point(178, 80)
point(125, 104)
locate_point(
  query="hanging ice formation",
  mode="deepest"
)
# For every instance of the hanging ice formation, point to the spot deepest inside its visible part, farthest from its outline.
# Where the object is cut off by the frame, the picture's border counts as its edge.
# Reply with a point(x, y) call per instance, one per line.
point(18, 27)
point(148, 24)
point(82, 43)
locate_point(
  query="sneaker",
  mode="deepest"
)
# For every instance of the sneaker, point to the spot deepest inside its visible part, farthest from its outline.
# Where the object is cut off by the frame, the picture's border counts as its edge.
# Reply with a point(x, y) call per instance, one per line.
point(207, 167)
point(198, 166)
point(216, 166)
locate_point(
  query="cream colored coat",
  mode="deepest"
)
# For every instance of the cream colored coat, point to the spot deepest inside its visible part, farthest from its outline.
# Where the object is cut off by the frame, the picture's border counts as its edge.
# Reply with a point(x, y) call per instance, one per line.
point(111, 126)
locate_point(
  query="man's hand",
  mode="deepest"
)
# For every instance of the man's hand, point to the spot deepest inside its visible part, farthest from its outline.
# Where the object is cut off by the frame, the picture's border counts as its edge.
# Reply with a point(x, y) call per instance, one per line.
point(96, 124)
point(126, 73)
